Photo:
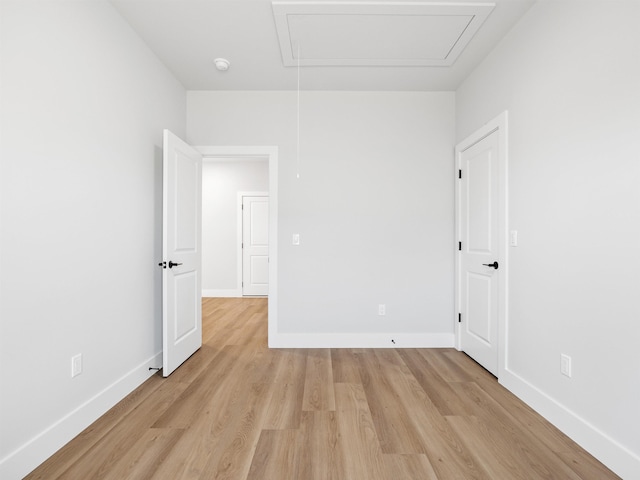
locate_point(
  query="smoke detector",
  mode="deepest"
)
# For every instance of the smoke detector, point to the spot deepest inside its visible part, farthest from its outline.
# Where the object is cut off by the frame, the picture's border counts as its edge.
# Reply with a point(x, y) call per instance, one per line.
point(222, 64)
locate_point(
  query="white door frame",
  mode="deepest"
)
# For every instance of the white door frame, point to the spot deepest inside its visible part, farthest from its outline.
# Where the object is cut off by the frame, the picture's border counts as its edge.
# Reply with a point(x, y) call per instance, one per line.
point(498, 124)
point(239, 252)
point(271, 154)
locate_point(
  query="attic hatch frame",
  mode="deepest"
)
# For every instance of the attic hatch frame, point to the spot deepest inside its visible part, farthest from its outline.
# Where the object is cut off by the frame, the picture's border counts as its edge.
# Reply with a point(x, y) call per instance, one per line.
point(321, 18)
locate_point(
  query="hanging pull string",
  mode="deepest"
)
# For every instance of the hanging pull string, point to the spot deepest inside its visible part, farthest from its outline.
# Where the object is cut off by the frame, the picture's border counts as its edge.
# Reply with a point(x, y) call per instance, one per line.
point(298, 121)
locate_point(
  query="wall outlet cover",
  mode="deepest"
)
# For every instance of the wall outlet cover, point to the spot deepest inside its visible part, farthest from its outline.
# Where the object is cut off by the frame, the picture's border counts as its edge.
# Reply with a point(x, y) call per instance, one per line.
point(76, 365)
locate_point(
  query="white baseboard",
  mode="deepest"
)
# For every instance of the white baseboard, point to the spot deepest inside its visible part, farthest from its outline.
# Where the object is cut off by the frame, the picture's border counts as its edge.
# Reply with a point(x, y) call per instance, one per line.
point(361, 340)
point(616, 457)
point(227, 293)
point(27, 457)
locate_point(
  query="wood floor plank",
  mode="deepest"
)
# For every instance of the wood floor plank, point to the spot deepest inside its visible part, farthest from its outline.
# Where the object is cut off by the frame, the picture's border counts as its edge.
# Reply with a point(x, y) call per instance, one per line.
point(351, 396)
point(318, 386)
point(394, 426)
point(344, 363)
point(221, 443)
point(141, 461)
point(448, 455)
point(443, 360)
point(437, 389)
point(232, 459)
point(197, 363)
point(276, 455)
point(285, 407)
point(252, 333)
point(488, 450)
point(266, 364)
point(413, 466)
point(292, 367)
point(221, 414)
point(227, 316)
point(182, 413)
point(359, 442)
point(320, 451)
point(585, 465)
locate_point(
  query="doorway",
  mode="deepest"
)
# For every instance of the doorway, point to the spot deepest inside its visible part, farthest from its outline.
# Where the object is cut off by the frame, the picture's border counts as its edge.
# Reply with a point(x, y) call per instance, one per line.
point(481, 231)
point(269, 154)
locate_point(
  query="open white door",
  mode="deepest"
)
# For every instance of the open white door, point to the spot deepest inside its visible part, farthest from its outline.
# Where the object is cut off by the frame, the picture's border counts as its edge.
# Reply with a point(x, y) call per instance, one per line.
point(255, 245)
point(481, 272)
point(181, 239)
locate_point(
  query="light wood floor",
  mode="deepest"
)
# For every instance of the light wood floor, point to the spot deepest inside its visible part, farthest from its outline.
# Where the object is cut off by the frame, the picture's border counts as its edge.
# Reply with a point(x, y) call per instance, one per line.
point(237, 410)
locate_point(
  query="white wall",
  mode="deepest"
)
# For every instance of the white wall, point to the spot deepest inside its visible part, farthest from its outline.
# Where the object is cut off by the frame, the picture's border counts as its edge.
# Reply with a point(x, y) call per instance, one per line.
point(222, 180)
point(569, 75)
point(373, 206)
point(83, 106)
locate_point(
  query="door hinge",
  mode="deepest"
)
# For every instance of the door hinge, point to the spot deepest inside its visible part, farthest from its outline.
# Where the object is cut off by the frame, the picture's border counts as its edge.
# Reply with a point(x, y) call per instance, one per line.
point(460, 246)
point(459, 318)
point(459, 173)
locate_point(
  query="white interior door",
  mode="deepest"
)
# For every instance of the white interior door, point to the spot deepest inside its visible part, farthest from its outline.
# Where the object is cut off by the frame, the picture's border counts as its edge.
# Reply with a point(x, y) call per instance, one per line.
point(479, 275)
point(181, 239)
point(255, 245)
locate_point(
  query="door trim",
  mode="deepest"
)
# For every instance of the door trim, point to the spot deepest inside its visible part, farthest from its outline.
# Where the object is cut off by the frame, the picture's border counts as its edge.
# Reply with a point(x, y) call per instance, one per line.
point(271, 154)
point(239, 252)
point(498, 124)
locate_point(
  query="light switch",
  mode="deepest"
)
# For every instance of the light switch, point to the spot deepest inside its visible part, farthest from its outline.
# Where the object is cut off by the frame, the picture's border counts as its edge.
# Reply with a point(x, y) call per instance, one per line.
point(296, 239)
point(76, 365)
point(513, 238)
point(565, 365)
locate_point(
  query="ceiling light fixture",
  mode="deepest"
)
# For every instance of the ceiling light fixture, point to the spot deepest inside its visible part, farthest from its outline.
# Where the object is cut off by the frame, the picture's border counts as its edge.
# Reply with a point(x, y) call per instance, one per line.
point(222, 64)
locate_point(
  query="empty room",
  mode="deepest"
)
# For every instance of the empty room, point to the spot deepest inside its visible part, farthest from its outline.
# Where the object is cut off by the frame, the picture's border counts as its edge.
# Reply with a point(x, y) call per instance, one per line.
point(440, 274)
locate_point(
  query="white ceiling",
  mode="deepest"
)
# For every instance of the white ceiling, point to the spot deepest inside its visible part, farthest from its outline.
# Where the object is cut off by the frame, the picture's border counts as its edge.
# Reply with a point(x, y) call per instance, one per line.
point(187, 35)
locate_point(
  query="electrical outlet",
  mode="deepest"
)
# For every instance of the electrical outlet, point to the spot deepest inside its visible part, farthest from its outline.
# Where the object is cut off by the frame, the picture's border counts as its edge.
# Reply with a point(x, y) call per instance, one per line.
point(76, 365)
point(382, 309)
point(295, 239)
point(565, 365)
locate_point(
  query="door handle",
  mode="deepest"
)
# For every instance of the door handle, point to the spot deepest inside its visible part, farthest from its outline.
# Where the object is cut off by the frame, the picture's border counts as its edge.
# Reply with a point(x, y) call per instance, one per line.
point(173, 264)
point(494, 265)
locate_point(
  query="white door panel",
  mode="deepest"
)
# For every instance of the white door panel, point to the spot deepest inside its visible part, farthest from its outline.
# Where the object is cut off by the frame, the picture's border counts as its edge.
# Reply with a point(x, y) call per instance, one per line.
point(479, 308)
point(181, 239)
point(259, 270)
point(480, 198)
point(255, 245)
point(478, 278)
point(186, 319)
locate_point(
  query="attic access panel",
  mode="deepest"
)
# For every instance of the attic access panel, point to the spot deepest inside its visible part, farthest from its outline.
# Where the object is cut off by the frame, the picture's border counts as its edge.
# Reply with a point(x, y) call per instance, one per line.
point(376, 34)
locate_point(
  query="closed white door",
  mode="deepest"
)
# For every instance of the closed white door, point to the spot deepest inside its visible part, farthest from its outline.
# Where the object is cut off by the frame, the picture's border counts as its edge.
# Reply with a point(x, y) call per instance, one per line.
point(181, 241)
point(479, 253)
point(255, 245)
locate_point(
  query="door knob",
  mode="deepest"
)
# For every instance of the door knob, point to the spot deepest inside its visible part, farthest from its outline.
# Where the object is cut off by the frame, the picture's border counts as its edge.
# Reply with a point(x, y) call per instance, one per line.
point(173, 264)
point(494, 265)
